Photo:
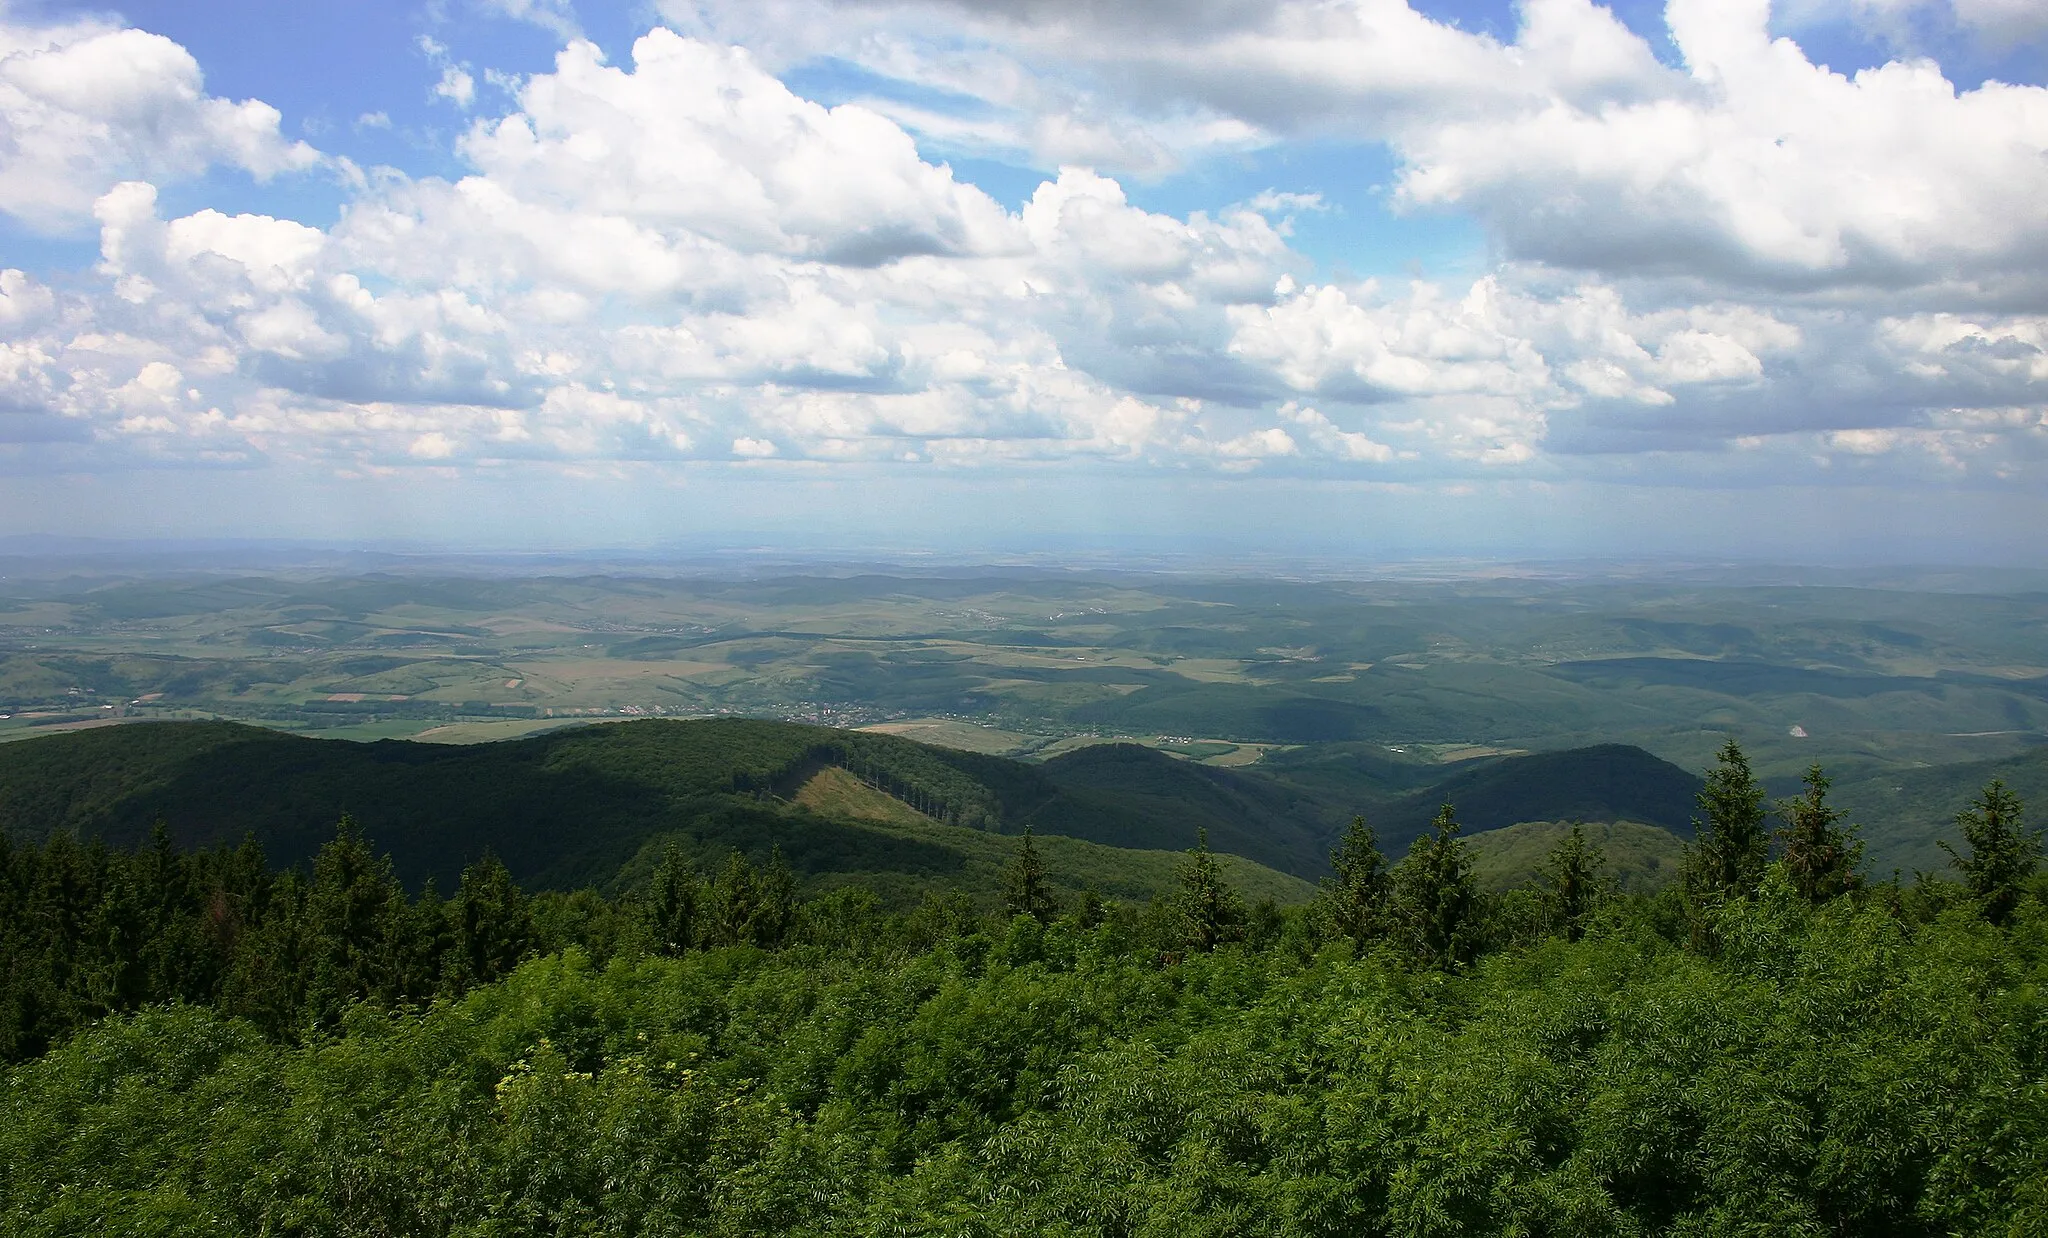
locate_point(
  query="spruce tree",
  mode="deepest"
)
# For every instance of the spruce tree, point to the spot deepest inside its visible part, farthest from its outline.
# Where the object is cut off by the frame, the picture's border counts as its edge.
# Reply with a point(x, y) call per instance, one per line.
point(733, 904)
point(1354, 898)
point(2003, 853)
point(1732, 844)
point(493, 926)
point(274, 960)
point(172, 955)
point(352, 914)
point(1436, 897)
point(1572, 883)
point(425, 954)
point(775, 914)
point(1208, 910)
point(1821, 854)
point(1025, 890)
point(668, 908)
point(110, 958)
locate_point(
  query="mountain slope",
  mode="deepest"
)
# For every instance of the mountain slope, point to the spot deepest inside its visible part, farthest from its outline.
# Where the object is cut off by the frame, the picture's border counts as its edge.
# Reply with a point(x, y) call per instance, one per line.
point(1904, 812)
point(1607, 782)
point(1149, 799)
point(1637, 858)
point(564, 808)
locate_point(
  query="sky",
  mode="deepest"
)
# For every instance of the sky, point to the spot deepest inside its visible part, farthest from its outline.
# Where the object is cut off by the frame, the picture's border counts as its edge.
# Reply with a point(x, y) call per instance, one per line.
point(1362, 277)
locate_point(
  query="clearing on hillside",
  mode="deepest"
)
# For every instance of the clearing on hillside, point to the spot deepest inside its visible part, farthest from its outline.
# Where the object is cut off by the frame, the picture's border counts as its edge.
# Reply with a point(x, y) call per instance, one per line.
point(833, 792)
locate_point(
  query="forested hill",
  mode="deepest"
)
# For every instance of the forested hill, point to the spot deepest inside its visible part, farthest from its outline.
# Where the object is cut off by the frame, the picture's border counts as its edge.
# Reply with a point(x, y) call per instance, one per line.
point(582, 806)
point(571, 807)
point(1905, 813)
point(1606, 782)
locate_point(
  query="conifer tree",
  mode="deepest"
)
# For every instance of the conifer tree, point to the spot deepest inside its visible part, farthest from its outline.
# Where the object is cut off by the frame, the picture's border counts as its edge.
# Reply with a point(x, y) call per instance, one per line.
point(1732, 843)
point(274, 960)
point(1207, 909)
point(733, 904)
point(1821, 854)
point(668, 909)
point(170, 954)
point(1025, 890)
point(2003, 853)
point(426, 953)
point(1572, 883)
point(1436, 897)
point(58, 896)
point(351, 918)
point(493, 926)
point(1354, 899)
point(775, 915)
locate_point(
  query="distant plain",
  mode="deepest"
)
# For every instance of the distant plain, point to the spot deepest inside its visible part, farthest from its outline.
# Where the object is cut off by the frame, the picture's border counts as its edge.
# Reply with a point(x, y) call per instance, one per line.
point(1874, 679)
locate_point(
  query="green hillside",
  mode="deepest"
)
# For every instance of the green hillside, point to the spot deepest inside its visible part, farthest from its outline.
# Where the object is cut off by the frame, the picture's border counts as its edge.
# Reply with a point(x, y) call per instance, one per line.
point(1167, 798)
point(1903, 813)
point(1607, 782)
point(572, 807)
point(1637, 858)
point(568, 808)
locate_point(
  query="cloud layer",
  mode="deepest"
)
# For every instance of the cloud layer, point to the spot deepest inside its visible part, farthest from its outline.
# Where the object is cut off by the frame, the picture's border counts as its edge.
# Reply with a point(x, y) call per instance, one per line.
point(1738, 265)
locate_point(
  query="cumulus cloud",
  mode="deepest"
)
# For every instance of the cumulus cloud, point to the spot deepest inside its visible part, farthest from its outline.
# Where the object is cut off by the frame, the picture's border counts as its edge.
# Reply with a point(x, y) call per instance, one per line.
point(681, 258)
point(84, 106)
point(1747, 165)
point(1764, 170)
point(699, 137)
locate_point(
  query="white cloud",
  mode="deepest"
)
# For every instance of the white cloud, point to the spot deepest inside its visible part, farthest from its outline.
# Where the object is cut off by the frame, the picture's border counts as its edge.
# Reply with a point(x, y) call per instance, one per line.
point(456, 86)
point(1750, 166)
point(85, 106)
point(683, 259)
point(1999, 23)
point(23, 301)
point(699, 137)
point(1762, 170)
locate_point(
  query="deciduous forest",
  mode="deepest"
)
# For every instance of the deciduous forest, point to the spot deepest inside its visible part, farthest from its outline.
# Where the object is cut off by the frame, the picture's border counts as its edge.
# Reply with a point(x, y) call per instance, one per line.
point(1778, 1043)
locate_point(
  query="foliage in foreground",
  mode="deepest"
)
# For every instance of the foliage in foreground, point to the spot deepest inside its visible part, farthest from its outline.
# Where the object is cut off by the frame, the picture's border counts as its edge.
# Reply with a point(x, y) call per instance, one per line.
point(1789, 1050)
point(1834, 1070)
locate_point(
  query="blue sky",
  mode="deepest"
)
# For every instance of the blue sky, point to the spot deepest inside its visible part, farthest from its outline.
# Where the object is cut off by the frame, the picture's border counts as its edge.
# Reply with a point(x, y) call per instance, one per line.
point(1440, 278)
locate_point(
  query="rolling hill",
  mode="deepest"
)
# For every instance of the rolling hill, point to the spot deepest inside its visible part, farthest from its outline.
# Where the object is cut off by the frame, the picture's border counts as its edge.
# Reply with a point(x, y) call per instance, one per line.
point(565, 808)
point(571, 807)
point(1904, 812)
point(1606, 782)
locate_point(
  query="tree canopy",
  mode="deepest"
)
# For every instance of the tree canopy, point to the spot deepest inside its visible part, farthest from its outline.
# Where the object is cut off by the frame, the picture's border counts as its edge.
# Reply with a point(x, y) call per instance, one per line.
point(195, 1043)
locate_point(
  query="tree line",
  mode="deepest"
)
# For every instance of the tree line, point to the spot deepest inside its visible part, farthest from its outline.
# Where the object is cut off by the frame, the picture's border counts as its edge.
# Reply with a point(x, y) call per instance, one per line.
point(87, 930)
point(1776, 1044)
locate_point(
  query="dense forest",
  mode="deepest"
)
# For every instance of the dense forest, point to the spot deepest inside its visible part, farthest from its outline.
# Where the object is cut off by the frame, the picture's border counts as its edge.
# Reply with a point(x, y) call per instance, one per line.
point(572, 807)
point(1775, 1044)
